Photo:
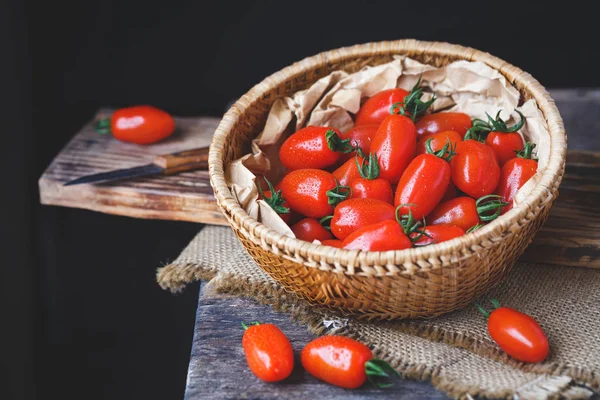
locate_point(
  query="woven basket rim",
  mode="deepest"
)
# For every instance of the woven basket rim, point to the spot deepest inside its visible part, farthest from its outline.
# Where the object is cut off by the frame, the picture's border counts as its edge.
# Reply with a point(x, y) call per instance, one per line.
point(346, 261)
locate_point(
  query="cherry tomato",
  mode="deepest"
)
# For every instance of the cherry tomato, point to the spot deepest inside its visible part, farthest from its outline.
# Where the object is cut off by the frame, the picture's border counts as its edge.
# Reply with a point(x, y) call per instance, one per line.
point(437, 234)
point(422, 185)
point(475, 169)
point(379, 189)
point(311, 147)
point(368, 185)
point(359, 136)
point(515, 173)
point(451, 192)
point(518, 334)
point(382, 236)
point(466, 212)
point(353, 214)
point(276, 202)
point(444, 121)
point(333, 243)
point(505, 145)
point(440, 139)
point(268, 352)
point(347, 171)
point(312, 192)
point(343, 362)
point(377, 107)
point(310, 229)
point(394, 143)
point(139, 124)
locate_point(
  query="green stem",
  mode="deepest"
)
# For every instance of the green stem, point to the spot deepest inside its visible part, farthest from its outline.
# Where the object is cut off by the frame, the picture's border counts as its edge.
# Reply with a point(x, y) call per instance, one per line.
point(255, 323)
point(368, 169)
point(377, 369)
point(483, 311)
point(338, 194)
point(527, 151)
point(490, 203)
point(102, 126)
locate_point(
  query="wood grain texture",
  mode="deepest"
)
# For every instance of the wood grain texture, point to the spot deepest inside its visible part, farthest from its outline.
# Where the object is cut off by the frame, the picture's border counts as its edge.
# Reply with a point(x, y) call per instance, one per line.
point(218, 368)
point(185, 196)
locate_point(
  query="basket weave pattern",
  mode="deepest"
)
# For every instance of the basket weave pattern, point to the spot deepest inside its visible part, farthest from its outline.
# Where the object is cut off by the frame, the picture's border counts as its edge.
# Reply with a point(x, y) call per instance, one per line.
point(421, 282)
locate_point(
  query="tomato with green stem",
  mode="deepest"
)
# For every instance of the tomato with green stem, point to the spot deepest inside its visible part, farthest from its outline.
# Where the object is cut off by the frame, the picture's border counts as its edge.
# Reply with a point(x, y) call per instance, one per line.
point(443, 121)
point(312, 192)
point(309, 229)
point(518, 334)
point(344, 362)
point(138, 124)
point(369, 185)
point(504, 140)
point(394, 144)
point(313, 147)
point(466, 212)
point(276, 201)
point(438, 141)
point(432, 234)
point(268, 351)
point(475, 169)
point(360, 137)
point(424, 182)
point(386, 235)
point(353, 214)
point(377, 107)
point(515, 173)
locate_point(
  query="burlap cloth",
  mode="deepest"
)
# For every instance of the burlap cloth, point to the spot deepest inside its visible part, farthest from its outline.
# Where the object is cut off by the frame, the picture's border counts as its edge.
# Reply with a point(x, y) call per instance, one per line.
point(453, 351)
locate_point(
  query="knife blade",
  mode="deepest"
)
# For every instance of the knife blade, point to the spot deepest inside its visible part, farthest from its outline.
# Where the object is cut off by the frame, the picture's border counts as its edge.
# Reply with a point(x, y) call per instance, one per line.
point(167, 164)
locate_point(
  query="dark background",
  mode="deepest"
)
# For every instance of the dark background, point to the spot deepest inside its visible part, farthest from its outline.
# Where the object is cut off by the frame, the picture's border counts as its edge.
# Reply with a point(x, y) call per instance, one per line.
point(82, 315)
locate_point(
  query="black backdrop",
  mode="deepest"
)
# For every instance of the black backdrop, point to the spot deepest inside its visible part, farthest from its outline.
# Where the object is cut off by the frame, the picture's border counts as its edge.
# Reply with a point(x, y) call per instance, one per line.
point(81, 313)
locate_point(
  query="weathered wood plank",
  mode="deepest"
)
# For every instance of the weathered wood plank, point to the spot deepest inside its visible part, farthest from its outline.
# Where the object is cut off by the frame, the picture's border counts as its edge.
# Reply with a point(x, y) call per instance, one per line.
point(218, 368)
point(186, 196)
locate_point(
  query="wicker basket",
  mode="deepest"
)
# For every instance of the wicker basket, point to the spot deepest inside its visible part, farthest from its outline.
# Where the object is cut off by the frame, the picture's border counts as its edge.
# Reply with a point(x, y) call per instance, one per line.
point(420, 282)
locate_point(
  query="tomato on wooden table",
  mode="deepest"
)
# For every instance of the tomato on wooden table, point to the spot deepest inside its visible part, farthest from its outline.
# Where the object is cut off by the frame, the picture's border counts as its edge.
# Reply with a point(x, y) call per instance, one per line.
point(424, 183)
point(269, 353)
point(310, 229)
point(432, 234)
point(377, 107)
point(515, 173)
point(343, 362)
point(518, 334)
point(353, 214)
point(475, 169)
point(312, 192)
point(360, 136)
point(382, 236)
point(368, 185)
point(439, 140)
point(394, 143)
point(312, 147)
point(138, 124)
point(443, 121)
point(466, 212)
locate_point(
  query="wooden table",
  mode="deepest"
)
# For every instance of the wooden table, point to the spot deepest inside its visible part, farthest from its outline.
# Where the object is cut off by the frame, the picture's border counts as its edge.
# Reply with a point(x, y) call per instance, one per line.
point(217, 367)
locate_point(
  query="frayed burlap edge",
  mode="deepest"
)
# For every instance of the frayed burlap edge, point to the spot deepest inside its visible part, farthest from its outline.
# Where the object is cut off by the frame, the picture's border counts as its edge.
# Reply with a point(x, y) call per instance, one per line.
point(174, 277)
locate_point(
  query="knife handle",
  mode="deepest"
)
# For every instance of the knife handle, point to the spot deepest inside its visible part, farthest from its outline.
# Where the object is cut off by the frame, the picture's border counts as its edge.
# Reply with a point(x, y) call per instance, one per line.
point(187, 160)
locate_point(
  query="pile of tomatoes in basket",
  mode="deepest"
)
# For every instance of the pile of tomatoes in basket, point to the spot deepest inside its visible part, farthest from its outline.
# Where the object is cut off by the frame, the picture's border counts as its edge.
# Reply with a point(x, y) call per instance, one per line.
point(401, 177)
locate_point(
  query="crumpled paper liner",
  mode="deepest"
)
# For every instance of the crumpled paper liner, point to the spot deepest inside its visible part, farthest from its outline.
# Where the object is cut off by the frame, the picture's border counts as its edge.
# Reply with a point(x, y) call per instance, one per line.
point(462, 86)
point(452, 351)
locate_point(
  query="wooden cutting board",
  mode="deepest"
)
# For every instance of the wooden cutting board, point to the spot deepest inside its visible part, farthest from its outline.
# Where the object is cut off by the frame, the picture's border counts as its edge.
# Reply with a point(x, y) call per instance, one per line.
point(185, 197)
point(571, 235)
